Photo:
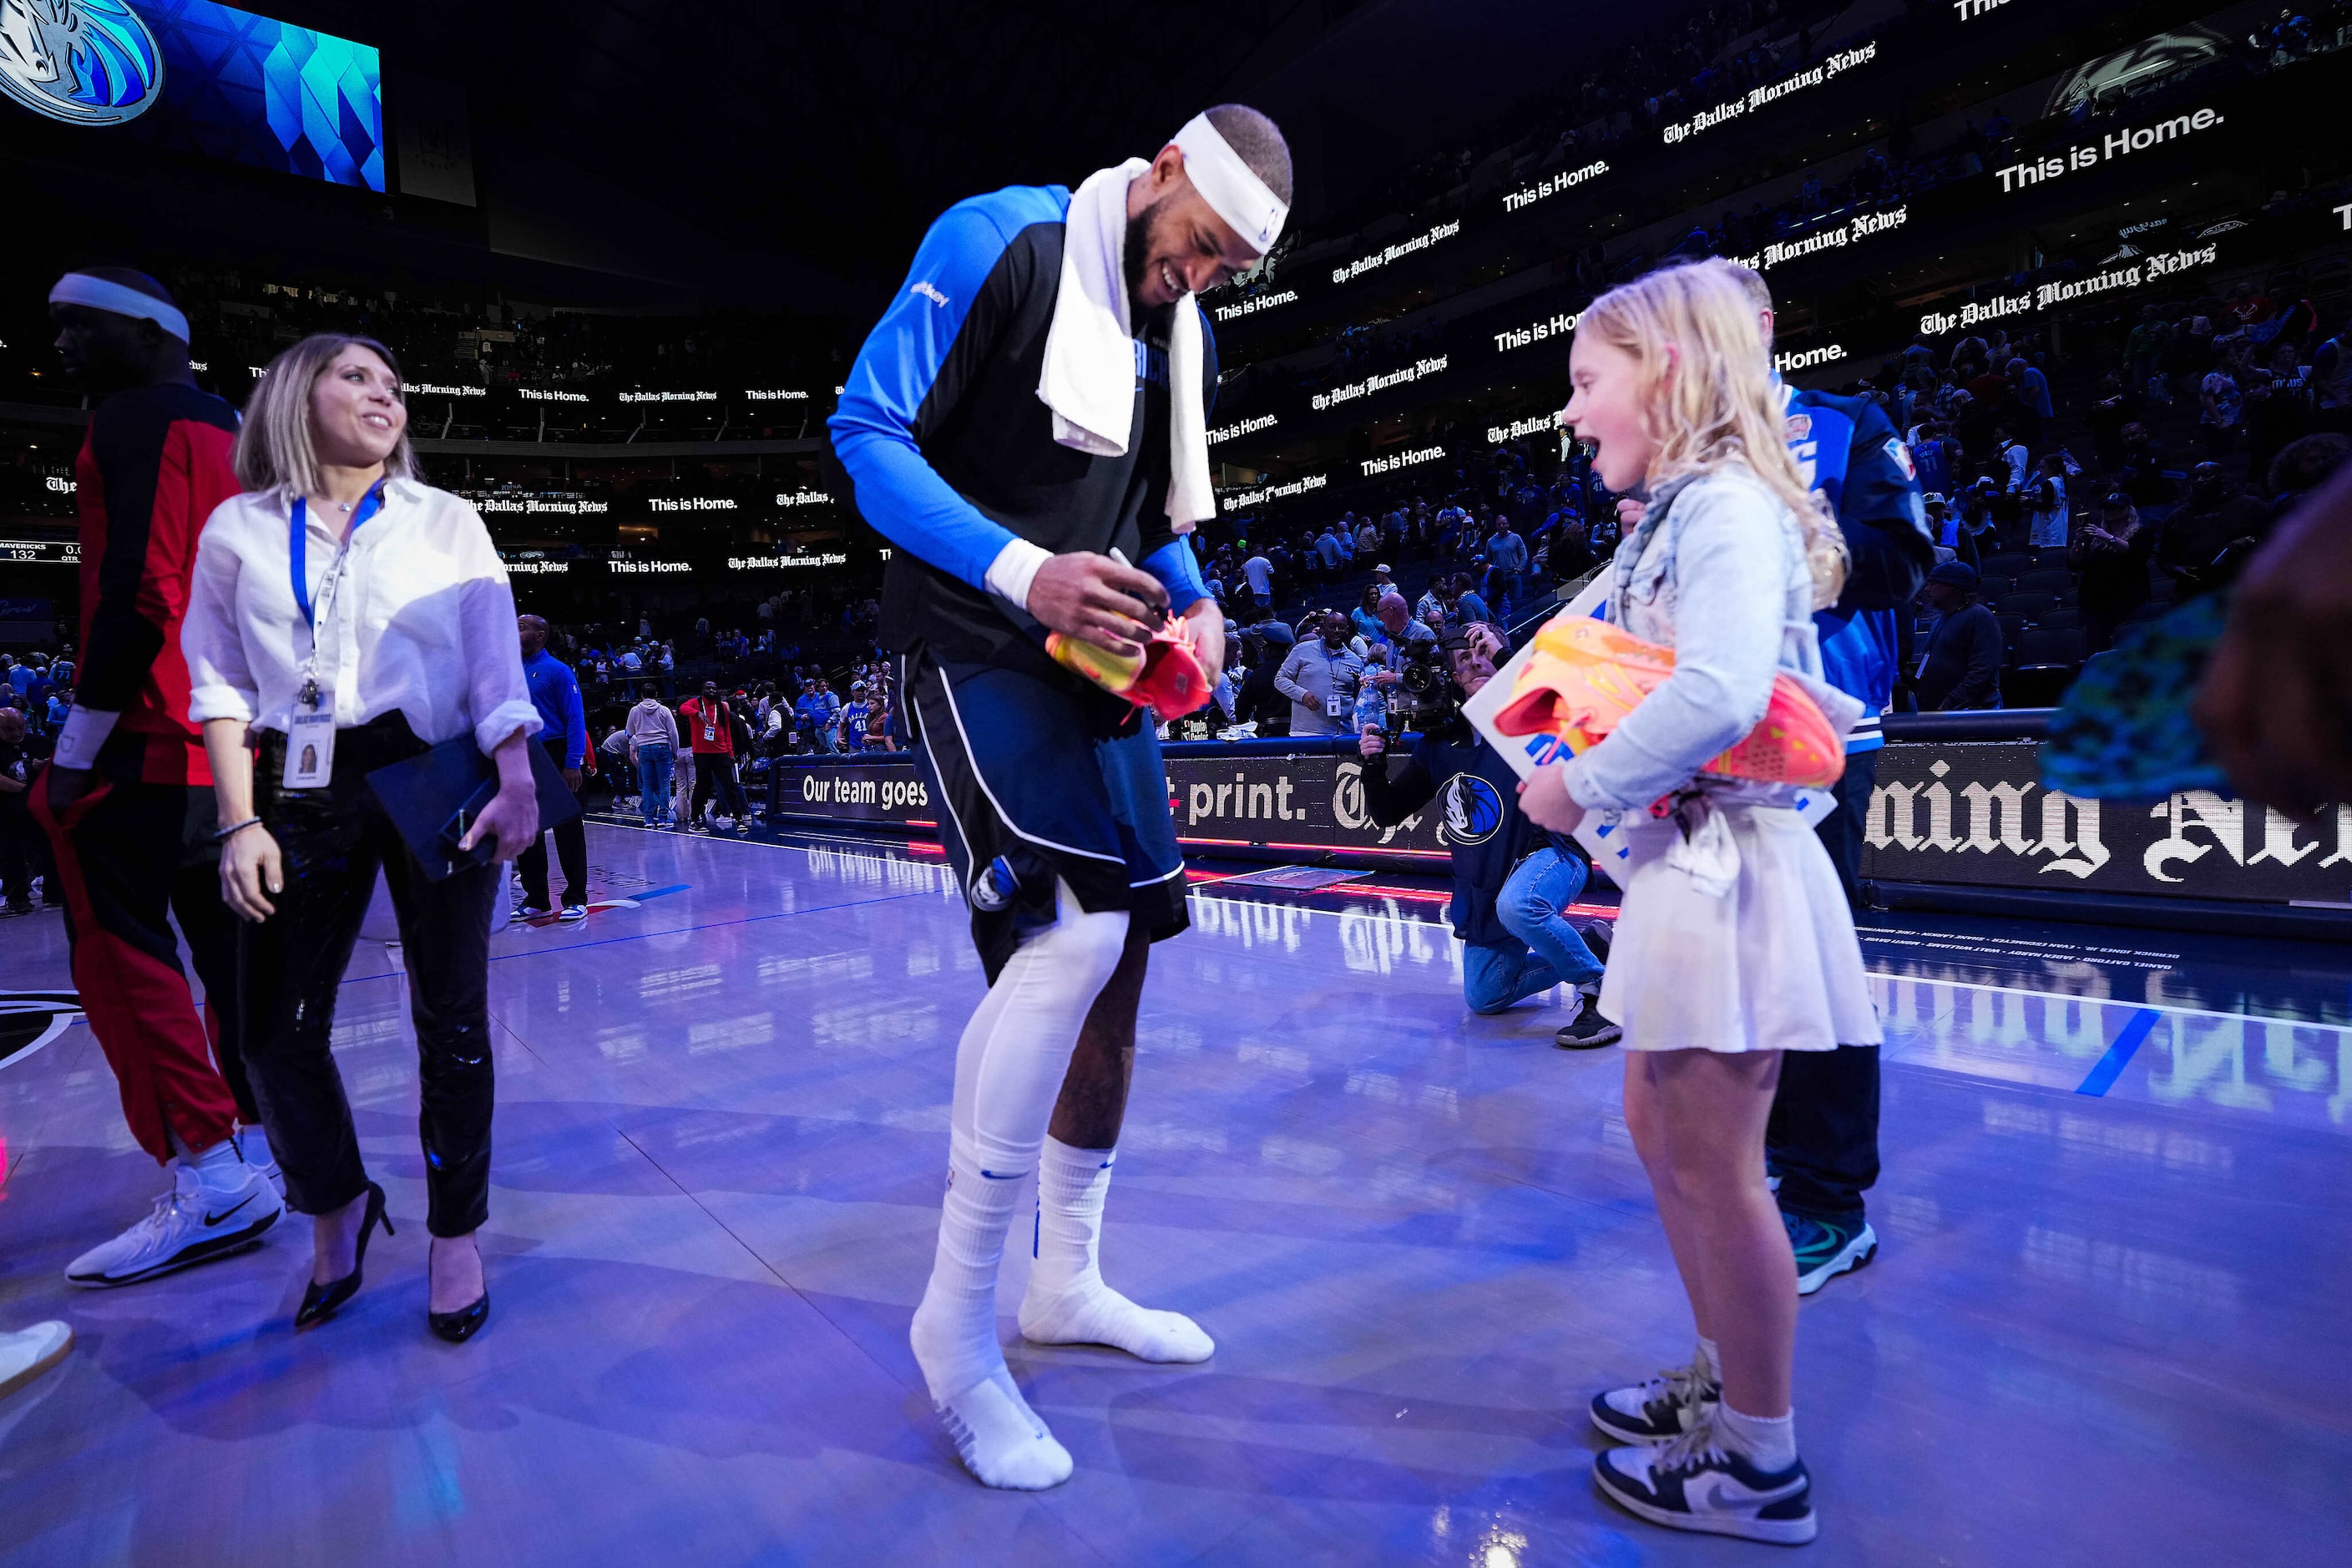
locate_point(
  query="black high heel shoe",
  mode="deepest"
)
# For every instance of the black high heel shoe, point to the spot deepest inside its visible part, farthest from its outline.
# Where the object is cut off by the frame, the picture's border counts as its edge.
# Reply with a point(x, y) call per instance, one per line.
point(320, 1302)
point(461, 1325)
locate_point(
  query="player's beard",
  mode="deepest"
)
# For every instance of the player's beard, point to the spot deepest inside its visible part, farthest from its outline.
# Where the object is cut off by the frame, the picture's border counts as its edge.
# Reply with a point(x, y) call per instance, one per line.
point(1136, 253)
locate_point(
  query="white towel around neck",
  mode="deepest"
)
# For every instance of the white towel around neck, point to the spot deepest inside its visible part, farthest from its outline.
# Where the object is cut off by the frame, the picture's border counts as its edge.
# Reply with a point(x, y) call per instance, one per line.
point(1089, 376)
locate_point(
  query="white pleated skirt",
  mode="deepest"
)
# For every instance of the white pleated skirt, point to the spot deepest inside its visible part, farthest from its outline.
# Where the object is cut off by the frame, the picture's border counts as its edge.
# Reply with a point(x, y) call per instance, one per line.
point(1771, 965)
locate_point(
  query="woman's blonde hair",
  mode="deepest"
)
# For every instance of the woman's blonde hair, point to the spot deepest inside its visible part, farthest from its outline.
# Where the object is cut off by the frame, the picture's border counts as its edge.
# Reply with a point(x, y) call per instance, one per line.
point(274, 450)
point(1712, 400)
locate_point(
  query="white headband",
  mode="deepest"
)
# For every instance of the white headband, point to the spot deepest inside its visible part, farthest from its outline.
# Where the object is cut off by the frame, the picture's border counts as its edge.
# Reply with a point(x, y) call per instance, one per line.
point(1230, 186)
point(117, 298)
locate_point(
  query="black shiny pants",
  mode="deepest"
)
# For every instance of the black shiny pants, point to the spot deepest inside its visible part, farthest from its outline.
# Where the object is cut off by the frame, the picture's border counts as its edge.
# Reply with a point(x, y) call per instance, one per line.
point(290, 967)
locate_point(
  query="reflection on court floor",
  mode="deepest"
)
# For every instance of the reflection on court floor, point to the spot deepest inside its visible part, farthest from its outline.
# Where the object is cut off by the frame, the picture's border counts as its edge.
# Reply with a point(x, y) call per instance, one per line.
point(2168, 1055)
point(2078, 1036)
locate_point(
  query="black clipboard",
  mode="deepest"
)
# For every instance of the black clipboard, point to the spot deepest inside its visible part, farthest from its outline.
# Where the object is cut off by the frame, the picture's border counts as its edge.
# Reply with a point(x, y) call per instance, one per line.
point(433, 798)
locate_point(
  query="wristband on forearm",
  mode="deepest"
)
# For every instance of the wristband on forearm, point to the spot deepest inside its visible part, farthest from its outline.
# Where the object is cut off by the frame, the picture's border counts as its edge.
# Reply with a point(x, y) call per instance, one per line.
point(1014, 568)
point(84, 732)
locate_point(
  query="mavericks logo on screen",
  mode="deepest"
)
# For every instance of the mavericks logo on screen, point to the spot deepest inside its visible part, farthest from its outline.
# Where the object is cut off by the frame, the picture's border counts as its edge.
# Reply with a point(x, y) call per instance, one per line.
point(86, 62)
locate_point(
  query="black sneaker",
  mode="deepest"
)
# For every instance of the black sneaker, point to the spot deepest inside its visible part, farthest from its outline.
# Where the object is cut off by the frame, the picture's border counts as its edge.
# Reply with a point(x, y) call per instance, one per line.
point(1588, 1030)
point(1696, 1483)
point(1660, 1410)
point(1826, 1249)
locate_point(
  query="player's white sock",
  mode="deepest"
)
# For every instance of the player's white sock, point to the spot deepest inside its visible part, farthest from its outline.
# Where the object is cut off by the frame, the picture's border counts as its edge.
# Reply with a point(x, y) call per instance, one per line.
point(1713, 1359)
point(1001, 1439)
point(221, 1169)
point(1067, 1302)
point(1009, 1067)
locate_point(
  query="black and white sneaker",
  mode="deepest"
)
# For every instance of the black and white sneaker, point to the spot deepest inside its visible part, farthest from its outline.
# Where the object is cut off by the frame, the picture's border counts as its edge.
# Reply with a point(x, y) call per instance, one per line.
point(530, 912)
point(571, 913)
point(1695, 1482)
point(190, 1224)
point(1588, 1030)
point(1660, 1410)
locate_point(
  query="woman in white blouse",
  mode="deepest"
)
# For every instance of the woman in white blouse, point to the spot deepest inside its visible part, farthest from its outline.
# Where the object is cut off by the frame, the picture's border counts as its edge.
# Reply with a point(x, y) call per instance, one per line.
point(341, 601)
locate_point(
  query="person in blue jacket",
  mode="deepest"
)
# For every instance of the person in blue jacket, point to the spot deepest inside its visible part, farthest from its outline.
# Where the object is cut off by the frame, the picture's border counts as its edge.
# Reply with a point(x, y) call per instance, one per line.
point(1026, 424)
point(1822, 1138)
point(556, 693)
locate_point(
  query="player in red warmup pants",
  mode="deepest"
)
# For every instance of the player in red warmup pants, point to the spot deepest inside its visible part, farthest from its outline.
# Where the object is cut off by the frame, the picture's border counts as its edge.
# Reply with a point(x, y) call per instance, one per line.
point(127, 801)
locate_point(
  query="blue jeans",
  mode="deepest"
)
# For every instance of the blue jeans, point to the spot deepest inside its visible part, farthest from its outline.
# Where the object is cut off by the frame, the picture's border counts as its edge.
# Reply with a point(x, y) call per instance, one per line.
point(1496, 974)
point(1544, 949)
point(652, 782)
point(1543, 885)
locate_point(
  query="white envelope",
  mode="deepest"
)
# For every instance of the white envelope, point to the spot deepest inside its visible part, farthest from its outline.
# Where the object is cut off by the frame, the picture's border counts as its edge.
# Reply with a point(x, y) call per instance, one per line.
point(1526, 753)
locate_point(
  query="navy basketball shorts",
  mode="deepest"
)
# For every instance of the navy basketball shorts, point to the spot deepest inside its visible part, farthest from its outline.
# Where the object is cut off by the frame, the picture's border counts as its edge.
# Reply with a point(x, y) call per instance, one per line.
point(1043, 778)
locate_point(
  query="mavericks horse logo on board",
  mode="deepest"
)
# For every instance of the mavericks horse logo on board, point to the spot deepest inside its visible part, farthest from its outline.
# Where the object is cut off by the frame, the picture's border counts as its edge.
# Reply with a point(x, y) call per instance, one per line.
point(85, 62)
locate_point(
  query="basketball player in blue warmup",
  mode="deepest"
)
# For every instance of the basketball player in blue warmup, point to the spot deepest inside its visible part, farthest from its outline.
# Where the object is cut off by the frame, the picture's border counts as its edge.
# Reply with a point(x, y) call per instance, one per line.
point(1027, 419)
point(1822, 1138)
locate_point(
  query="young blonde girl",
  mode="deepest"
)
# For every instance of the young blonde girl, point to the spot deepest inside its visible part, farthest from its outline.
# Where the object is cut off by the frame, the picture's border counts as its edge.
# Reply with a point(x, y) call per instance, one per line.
point(1734, 943)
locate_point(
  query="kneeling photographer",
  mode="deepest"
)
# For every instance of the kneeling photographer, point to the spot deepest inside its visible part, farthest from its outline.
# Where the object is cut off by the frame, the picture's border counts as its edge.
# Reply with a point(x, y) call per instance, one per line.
point(1511, 879)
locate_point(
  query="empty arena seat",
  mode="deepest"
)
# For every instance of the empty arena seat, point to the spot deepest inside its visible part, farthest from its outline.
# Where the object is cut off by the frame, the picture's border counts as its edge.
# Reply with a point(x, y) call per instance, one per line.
point(2042, 665)
point(2030, 605)
point(2040, 647)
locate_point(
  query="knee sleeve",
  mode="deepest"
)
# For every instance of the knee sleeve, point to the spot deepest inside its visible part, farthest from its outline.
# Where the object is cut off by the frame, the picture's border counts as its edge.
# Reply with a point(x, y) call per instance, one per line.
point(1086, 946)
point(1014, 1054)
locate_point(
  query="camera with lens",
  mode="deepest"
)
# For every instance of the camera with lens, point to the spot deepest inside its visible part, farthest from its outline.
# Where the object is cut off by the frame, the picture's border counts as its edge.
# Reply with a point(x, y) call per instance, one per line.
point(1425, 698)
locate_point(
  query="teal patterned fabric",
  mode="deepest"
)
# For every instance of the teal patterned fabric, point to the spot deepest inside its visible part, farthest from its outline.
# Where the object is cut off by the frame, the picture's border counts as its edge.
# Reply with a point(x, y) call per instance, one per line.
point(2123, 730)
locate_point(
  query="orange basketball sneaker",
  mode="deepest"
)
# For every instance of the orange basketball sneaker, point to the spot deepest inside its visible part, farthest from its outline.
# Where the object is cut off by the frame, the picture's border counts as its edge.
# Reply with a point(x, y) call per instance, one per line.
point(1586, 675)
point(1166, 674)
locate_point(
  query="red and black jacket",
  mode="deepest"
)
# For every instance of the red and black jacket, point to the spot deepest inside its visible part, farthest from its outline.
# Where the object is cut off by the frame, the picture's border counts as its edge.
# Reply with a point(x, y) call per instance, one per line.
point(153, 466)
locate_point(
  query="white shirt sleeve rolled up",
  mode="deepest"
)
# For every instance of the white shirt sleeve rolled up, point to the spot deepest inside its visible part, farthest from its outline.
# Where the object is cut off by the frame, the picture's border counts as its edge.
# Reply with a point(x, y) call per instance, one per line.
point(423, 623)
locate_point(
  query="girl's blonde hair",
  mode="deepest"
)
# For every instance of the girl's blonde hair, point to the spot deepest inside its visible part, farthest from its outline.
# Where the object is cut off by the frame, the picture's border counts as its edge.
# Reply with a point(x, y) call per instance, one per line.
point(1712, 400)
point(274, 449)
